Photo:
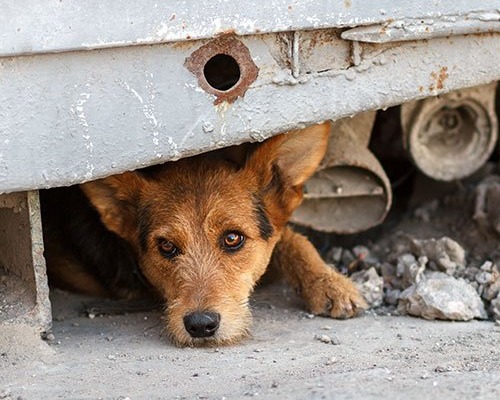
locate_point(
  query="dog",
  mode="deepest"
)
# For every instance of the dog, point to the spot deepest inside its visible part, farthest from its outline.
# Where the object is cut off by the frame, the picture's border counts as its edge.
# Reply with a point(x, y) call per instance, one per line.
point(198, 232)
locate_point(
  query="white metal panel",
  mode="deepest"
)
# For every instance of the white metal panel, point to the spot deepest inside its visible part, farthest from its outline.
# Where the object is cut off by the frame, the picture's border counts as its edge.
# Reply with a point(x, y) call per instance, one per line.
point(78, 116)
point(39, 26)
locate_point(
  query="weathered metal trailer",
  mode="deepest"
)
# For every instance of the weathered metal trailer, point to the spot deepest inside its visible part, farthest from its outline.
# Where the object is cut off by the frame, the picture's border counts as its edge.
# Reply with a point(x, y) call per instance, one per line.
point(96, 88)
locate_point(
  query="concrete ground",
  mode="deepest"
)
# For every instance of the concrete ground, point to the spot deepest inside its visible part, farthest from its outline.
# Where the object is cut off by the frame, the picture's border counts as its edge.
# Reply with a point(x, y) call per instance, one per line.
point(372, 357)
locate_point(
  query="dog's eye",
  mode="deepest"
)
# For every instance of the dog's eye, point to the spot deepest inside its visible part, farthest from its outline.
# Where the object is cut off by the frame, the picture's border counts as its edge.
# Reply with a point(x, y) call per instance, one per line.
point(233, 240)
point(167, 248)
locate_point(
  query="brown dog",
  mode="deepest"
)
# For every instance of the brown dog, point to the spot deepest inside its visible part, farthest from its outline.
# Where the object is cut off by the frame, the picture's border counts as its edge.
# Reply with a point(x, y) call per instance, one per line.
point(201, 231)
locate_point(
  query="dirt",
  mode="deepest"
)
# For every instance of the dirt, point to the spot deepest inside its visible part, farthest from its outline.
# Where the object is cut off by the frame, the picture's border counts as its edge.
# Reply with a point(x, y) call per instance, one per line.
point(290, 355)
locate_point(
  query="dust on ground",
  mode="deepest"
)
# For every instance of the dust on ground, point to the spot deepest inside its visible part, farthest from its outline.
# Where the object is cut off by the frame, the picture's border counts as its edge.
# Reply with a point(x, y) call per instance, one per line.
point(449, 234)
point(291, 354)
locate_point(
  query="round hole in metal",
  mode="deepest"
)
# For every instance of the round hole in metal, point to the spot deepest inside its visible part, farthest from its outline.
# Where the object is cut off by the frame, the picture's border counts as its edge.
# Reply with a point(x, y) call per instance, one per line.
point(222, 72)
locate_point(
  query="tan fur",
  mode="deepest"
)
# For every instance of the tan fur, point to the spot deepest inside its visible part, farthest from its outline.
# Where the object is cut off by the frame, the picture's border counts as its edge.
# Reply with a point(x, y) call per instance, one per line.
point(192, 203)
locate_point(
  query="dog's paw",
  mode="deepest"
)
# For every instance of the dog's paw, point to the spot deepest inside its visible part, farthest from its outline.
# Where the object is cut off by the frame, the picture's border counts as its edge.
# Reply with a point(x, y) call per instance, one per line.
point(333, 295)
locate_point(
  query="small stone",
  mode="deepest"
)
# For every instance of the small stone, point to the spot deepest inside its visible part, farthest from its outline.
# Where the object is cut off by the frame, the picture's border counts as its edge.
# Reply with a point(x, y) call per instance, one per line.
point(361, 252)
point(326, 328)
point(388, 272)
point(335, 255)
point(347, 258)
point(439, 296)
point(392, 296)
point(486, 211)
point(446, 254)
point(371, 286)
point(310, 316)
point(327, 339)
point(49, 337)
point(331, 361)
point(491, 288)
point(91, 316)
point(111, 357)
point(484, 277)
point(410, 270)
point(487, 266)
point(441, 369)
point(494, 308)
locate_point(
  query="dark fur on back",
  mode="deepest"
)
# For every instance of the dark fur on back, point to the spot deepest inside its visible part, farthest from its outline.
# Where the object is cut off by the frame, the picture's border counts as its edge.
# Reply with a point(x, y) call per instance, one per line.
point(73, 221)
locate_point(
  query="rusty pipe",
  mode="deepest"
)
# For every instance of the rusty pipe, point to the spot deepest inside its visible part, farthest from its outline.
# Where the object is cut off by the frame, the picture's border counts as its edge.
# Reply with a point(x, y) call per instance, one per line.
point(452, 136)
point(350, 192)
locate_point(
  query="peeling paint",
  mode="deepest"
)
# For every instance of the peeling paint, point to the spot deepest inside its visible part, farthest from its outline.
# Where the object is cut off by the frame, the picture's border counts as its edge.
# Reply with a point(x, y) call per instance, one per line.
point(78, 110)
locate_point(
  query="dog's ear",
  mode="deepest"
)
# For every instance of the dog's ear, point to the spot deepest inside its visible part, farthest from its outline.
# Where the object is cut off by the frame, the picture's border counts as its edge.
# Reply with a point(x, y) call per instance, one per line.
point(283, 163)
point(116, 199)
point(296, 154)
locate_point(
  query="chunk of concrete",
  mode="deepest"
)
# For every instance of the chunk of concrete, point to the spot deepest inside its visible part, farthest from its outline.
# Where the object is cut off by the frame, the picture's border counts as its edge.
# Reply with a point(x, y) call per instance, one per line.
point(444, 254)
point(371, 286)
point(409, 270)
point(439, 296)
point(495, 308)
point(488, 279)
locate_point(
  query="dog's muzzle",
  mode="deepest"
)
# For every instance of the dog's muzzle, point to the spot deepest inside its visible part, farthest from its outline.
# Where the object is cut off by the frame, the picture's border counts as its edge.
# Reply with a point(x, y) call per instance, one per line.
point(202, 324)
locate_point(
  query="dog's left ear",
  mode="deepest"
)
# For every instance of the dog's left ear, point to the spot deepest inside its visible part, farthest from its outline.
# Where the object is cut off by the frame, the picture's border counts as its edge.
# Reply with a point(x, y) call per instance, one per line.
point(116, 199)
point(284, 162)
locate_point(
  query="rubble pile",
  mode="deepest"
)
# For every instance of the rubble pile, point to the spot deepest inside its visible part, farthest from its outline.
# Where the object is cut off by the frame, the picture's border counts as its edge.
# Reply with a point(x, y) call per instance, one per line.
point(441, 262)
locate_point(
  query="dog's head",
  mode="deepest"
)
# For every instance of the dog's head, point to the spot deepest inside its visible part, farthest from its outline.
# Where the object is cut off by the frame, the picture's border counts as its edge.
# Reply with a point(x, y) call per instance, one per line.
point(203, 229)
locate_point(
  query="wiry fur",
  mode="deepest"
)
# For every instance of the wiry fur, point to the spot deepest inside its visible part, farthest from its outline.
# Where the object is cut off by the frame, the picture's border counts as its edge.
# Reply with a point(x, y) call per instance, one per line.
point(193, 203)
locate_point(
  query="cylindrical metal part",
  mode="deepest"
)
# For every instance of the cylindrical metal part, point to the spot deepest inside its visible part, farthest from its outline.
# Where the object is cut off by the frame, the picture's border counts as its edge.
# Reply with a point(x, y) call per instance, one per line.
point(350, 192)
point(452, 136)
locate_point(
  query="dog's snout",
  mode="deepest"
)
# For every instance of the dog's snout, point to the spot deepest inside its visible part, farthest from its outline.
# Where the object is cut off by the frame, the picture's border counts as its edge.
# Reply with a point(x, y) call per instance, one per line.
point(201, 324)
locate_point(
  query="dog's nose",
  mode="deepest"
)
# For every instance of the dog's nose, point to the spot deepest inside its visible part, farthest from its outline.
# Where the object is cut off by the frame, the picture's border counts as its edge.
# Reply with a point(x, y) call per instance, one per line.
point(201, 324)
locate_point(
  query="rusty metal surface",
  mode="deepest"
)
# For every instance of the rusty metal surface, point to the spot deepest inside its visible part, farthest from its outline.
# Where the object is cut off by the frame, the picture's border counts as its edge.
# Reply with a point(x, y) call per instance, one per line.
point(427, 28)
point(24, 292)
point(230, 46)
point(74, 25)
point(77, 116)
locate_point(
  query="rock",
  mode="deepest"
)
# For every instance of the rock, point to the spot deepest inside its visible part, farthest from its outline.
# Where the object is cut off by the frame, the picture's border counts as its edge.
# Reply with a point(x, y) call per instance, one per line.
point(439, 296)
point(489, 282)
point(371, 286)
point(347, 258)
point(446, 254)
point(495, 308)
point(389, 274)
point(409, 269)
point(486, 210)
point(364, 254)
point(327, 339)
point(392, 296)
point(335, 255)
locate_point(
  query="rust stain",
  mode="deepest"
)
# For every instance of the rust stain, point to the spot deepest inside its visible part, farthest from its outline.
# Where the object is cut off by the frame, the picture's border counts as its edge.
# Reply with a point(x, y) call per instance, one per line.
point(421, 89)
point(347, 3)
point(232, 47)
point(226, 32)
point(438, 79)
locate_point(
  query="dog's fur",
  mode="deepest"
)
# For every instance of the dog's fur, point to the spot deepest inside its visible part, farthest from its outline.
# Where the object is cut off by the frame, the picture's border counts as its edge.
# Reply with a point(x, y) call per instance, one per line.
point(201, 231)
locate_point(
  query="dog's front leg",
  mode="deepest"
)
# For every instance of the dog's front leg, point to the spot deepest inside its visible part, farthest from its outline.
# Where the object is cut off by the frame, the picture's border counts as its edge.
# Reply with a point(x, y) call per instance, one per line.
point(325, 291)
